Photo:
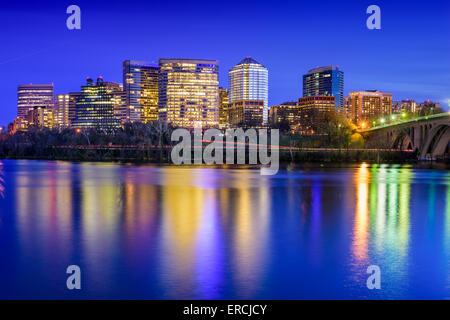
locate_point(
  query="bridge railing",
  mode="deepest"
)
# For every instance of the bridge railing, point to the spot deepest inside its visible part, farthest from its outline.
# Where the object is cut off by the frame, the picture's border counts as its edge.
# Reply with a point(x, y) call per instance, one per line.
point(411, 120)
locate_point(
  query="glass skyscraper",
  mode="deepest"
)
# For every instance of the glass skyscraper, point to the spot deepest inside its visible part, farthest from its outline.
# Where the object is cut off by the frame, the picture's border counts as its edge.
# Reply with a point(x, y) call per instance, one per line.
point(249, 80)
point(96, 106)
point(189, 92)
point(325, 81)
point(140, 81)
point(33, 95)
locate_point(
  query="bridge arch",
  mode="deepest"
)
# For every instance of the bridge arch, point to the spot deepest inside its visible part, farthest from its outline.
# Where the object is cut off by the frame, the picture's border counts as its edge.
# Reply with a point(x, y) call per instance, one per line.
point(402, 140)
point(437, 142)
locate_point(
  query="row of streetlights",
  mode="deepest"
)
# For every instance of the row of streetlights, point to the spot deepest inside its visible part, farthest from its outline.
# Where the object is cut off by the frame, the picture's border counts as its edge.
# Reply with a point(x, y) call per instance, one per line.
point(393, 117)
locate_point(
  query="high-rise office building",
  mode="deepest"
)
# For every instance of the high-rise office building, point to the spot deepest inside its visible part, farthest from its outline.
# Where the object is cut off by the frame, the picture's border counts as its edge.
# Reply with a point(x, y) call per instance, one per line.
point(42, 117)
point(249, 80)
point(61, 110)
point(73, 98)
point(224, 100)
point(189, 92)
point(325, 81)
point(96, 106)
point(346, 110)
point(33, 95)
point(18, 124)
point(285, 113)
point(246, 113)
point(120, 106)
point(315, 112)
point(119, 97)
point(140, 81)
point(368, 105)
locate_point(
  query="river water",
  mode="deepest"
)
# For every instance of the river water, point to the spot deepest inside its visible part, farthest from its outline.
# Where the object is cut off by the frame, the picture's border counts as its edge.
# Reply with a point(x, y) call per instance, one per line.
point(152, 232)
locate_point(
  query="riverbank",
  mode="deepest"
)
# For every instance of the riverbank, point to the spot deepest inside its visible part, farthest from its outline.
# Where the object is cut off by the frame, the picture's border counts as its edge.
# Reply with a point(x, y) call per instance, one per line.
point(163, 155)
point(152, 143)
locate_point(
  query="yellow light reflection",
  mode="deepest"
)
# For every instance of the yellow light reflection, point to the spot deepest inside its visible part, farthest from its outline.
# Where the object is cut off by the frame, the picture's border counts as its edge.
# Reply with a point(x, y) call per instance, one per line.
point(361, 234)
point(100, 214)
point(182, 206)
point(252, 218)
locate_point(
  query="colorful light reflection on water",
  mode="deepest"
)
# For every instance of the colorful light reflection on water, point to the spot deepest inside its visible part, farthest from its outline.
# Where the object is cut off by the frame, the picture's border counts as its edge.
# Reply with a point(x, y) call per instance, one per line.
point(203, 233)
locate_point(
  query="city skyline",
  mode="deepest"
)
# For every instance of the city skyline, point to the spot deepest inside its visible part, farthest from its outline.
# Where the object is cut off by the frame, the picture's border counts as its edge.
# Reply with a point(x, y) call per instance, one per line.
point(411, 65)
point(186, 92)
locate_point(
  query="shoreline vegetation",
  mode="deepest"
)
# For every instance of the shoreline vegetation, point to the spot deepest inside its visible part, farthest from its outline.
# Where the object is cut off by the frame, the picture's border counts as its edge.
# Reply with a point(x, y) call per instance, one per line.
point(151, 143)
point(350, 156)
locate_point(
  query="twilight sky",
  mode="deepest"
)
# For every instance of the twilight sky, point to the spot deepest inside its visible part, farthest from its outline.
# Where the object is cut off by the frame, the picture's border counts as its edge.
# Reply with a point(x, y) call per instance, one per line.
point(409, 56)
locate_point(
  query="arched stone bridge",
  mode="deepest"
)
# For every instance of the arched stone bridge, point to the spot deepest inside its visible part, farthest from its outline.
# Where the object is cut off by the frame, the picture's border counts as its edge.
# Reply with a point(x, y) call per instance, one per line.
point(429, 136)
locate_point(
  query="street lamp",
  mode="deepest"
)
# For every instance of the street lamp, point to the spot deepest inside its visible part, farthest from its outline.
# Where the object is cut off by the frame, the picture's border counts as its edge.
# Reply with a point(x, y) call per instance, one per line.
point(78, 130)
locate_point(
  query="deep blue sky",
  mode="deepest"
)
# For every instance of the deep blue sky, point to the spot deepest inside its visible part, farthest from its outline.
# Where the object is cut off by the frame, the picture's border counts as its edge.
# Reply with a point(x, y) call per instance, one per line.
point(409, 56)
